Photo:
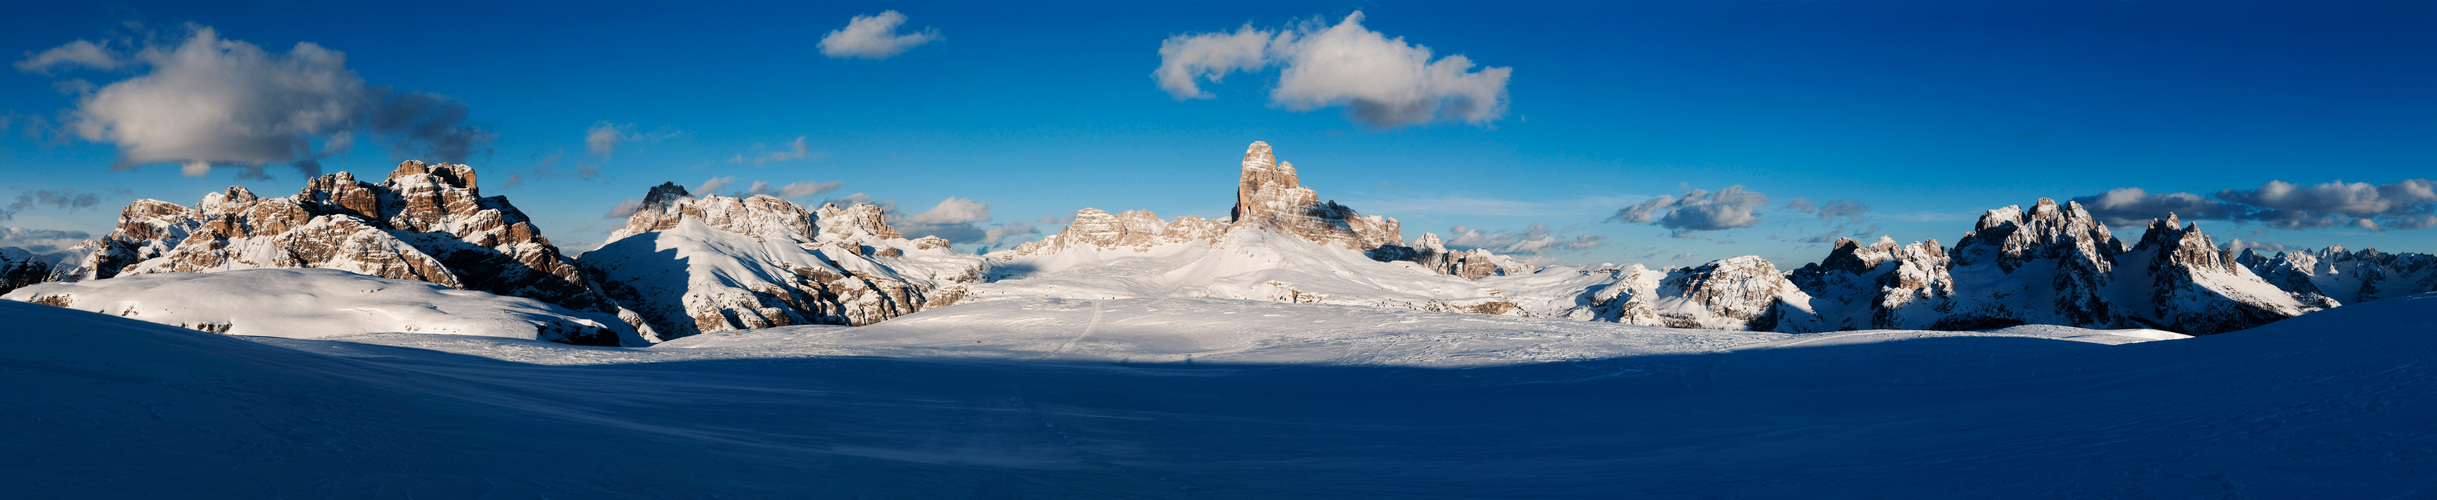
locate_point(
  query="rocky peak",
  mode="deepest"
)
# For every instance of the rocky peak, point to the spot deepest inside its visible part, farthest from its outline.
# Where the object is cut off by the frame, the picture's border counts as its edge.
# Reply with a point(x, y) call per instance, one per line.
point(663, 195)
point(1745, 290)
point(854, 222)
point(2010, 237)
point(2184, 245)
point(1269, 197)
point(757, 216)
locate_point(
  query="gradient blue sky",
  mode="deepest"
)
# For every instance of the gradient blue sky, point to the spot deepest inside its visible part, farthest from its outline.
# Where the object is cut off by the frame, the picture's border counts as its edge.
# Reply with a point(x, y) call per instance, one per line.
point(1928, 112)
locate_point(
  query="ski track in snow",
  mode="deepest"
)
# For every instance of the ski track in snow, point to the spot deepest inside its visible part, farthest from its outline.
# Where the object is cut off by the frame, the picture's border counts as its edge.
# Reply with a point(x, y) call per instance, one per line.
point(1087, 332)
point(1208, 398)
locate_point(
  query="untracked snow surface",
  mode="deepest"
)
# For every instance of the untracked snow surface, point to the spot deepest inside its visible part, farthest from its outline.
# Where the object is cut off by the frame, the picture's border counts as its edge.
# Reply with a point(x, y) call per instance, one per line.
point(1097, 399)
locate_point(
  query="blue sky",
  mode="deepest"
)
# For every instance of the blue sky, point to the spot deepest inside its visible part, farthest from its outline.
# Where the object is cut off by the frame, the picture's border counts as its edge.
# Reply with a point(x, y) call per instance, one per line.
point(1927, 113)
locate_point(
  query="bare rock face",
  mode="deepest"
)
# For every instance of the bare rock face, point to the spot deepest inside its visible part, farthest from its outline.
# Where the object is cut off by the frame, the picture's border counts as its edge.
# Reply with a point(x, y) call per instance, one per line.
point(692, 265)
point(2193, 288)
point(424, 223)
point(1881, 286)
point(1269, 197)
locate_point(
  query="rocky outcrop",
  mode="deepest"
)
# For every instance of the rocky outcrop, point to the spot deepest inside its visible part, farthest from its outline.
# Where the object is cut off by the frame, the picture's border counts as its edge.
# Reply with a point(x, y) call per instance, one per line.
point(423, 223)
point(1268, 196)
point(2191, 287)
point(692, 265)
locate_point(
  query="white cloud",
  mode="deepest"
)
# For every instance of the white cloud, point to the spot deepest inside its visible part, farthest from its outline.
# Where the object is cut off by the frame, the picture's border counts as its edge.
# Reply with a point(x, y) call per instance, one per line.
point(1385, 82)
point(2406, 204)
point(713, 185)
point(763, 188)
point(41, 241)
point(958, 220)
point(76, 53)
point(874, 37)
point(953, 210)
point(1698, 211)
point(212, 102)
point(1852, 211)
point(1533, 240)
point(1405, 205)
point(796, 150)
point(790, 191)
point(1185, 59)
point(1000, 233)
point(2135, 206)
point(2268, 248)
point(624, 209)
point(602, 139)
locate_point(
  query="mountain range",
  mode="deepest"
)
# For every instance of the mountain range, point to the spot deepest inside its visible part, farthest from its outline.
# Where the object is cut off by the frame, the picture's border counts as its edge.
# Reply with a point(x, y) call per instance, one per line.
point(686, 264)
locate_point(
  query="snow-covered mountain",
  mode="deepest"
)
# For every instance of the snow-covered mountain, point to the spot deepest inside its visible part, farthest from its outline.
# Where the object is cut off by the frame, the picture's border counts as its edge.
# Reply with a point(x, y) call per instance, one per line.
point(1884, 285)
point(2052, 264)
point(1281, 243)
point(424, 223)
point(316, 303)
point(2334, 276)
point(690, 264)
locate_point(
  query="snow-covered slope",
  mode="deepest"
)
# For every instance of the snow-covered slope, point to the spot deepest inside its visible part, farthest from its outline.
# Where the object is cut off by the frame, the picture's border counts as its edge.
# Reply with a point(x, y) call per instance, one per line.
point(315, 303)
point(2328, 405)
point(1175, 330)
point(1242, 264)
point(690, 265)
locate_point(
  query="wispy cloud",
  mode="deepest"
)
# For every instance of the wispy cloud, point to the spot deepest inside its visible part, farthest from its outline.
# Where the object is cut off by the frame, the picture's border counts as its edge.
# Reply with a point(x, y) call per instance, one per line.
point(1407, 204)
point(1535, 239)
point(874, 37)
point(794, 150)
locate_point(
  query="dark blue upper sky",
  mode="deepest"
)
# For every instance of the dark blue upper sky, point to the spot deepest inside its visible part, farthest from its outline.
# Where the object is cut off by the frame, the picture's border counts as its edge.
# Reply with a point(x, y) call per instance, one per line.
point(1927, 113)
